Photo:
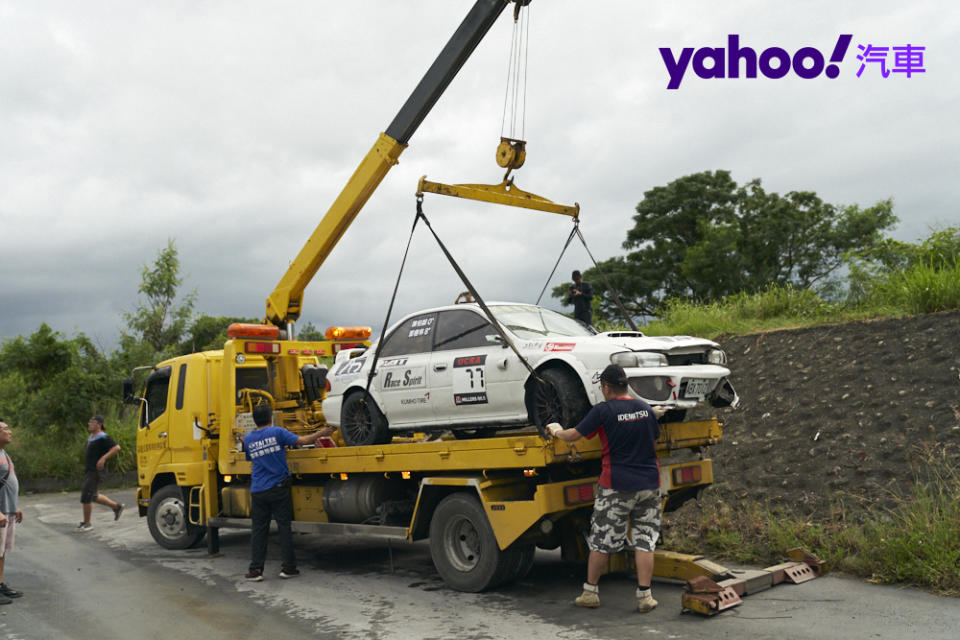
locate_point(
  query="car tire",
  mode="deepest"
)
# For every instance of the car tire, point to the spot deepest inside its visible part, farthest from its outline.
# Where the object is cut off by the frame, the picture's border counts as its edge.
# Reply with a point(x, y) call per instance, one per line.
point(362, 422)
point(168, 522)
point(463, 547)
point(559, 398)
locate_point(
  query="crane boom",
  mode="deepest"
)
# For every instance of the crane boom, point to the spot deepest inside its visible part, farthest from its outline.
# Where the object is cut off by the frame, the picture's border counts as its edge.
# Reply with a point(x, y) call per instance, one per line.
point(285, 302)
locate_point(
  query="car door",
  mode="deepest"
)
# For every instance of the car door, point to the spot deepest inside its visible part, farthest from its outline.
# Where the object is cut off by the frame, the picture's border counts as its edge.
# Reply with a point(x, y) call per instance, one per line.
point(401, 380)
point(473, 378)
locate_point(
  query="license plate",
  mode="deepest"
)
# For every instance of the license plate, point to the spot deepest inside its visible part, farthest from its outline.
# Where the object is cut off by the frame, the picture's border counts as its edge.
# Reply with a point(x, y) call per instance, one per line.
point(696, 388)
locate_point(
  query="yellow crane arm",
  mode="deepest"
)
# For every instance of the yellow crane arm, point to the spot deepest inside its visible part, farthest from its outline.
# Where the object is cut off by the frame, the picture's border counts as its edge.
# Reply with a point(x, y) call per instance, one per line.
point(285, 303)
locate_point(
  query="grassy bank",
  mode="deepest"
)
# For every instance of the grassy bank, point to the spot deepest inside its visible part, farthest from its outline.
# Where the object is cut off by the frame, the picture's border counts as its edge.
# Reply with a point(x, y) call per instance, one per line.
point(921, 288)
point(915, 542)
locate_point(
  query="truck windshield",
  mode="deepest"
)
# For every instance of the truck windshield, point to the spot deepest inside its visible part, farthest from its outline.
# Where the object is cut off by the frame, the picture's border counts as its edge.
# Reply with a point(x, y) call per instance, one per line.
point(528, 321)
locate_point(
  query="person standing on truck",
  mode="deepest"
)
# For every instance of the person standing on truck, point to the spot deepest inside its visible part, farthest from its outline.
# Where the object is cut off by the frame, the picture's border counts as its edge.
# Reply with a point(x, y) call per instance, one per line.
point(100, 448)
point(10, 513)
point(629, 491)
point(266, 447)
point(580, 296)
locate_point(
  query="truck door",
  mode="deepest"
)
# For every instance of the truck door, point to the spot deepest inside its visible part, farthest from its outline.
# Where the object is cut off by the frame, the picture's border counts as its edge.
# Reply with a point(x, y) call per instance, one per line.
point(153, 431)
point(472, 375)
point(401, 378)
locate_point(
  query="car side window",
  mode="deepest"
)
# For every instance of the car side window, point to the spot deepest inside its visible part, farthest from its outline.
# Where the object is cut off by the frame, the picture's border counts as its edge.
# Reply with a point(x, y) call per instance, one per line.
point(462, 329)
point(415, 335)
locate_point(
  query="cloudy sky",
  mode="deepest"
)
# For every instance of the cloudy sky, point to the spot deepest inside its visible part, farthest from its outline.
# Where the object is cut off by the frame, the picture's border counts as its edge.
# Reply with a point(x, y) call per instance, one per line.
point(230, 127)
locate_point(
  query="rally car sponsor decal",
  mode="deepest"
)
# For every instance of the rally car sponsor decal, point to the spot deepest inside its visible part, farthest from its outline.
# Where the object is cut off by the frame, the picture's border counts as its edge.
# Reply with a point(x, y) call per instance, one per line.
point(349, 368)
point(559, 346)
point(393, 362)
point(469, 386)
point(421, 327)
point(405, 378)
point(424, 399)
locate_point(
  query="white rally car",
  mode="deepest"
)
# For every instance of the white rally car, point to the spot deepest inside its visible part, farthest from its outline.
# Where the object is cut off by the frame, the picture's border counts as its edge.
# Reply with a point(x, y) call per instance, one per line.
point(449, 368)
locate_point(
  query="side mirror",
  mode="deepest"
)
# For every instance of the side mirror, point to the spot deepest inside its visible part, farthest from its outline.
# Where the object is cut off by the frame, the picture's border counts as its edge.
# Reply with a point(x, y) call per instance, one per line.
point(494, 338)
point(128, 391)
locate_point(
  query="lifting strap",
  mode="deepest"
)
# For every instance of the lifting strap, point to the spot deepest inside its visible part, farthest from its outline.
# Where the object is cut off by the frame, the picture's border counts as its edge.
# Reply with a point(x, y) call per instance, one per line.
point(613, 292)
point(469, 285)
point(386, 321)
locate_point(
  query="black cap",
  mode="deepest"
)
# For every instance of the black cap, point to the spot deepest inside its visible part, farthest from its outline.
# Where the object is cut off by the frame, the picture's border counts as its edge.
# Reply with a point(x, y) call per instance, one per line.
point(614, 375)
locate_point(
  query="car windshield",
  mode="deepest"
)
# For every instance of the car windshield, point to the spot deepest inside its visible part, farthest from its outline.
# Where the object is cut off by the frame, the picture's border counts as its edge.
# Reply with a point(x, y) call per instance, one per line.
point(527, 321)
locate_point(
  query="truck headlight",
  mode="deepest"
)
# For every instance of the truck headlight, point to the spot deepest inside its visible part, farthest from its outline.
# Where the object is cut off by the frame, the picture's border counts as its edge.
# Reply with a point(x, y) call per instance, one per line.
point(639, 359)
point(716, 356)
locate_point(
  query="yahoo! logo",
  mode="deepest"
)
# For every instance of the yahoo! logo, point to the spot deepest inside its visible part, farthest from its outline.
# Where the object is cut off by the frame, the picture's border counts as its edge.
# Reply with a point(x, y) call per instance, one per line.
point(717, 62)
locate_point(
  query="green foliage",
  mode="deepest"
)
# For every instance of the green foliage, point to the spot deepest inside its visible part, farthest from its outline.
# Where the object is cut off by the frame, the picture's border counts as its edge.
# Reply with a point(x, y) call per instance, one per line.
point(309, 333)
point(48, 454)
point(917, 278)
point(158, 321)
point(702, 237)
point(50, 383)
point(207, 333)
point(776, 306)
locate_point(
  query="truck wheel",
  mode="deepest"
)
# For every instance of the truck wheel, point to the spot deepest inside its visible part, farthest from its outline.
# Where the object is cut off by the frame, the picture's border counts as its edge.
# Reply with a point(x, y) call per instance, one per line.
point(167, 520)
point(559, 398)
point(361, 421)
point(463, 547)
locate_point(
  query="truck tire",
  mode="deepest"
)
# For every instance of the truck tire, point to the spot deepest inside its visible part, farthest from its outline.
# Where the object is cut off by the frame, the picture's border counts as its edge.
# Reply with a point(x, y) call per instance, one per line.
point(463, 547)
point(167, 520)
point(559, 398)
point(361, 421)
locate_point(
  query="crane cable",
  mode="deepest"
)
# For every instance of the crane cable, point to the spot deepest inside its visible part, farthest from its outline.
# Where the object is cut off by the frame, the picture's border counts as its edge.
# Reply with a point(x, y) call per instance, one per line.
point(515, 96)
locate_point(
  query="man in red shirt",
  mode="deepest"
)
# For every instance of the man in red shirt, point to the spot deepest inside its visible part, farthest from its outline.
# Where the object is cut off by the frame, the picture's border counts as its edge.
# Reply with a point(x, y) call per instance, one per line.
point(629, 491)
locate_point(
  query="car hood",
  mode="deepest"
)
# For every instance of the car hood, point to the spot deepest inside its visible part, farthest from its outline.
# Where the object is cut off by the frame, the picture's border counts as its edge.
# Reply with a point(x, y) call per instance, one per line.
point(619, 340)
point(637, 342)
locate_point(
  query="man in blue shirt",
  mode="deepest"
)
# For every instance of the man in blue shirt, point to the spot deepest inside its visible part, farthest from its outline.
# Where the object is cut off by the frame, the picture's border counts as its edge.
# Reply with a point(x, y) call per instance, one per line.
point(266, 446)
point(629, 491)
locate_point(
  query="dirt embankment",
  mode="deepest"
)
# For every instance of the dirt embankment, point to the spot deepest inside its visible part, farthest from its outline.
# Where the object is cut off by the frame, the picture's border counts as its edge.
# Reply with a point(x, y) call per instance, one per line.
point(839, 413)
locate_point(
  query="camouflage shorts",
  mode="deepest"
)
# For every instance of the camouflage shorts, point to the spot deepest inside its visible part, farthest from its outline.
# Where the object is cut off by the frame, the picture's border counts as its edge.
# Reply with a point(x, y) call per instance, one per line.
point(614, 510)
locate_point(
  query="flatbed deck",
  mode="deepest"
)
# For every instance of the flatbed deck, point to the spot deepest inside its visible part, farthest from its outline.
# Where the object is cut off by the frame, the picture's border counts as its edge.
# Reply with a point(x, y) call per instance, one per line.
point(516, 450)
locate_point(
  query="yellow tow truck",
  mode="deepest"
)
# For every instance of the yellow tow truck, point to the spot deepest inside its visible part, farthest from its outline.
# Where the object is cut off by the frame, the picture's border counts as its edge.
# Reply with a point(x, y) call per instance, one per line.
point(485, 504)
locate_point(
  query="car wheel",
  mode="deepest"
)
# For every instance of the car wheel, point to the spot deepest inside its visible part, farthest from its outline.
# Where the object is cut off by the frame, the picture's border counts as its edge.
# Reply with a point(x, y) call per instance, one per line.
point(463, 547)
point(559, 398)
point(168, 522)
point(361, 421)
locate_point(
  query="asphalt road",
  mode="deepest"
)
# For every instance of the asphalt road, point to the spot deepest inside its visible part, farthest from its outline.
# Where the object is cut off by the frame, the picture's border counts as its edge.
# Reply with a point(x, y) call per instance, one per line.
point(115, 582)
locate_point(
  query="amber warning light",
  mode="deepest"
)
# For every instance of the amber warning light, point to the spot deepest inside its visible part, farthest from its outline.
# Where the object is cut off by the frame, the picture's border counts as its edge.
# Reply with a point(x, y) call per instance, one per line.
point(348, 333)
point(245, 330)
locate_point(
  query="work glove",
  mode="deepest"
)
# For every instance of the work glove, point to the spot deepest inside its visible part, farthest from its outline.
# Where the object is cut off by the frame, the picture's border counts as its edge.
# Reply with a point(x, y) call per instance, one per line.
point(659, 411)
point(554, 427)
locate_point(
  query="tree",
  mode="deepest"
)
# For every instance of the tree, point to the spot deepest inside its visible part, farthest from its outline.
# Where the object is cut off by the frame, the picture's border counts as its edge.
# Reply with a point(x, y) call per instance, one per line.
point(49, 382)
point(158, 321)
point(208, 333)
point(703, 237)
